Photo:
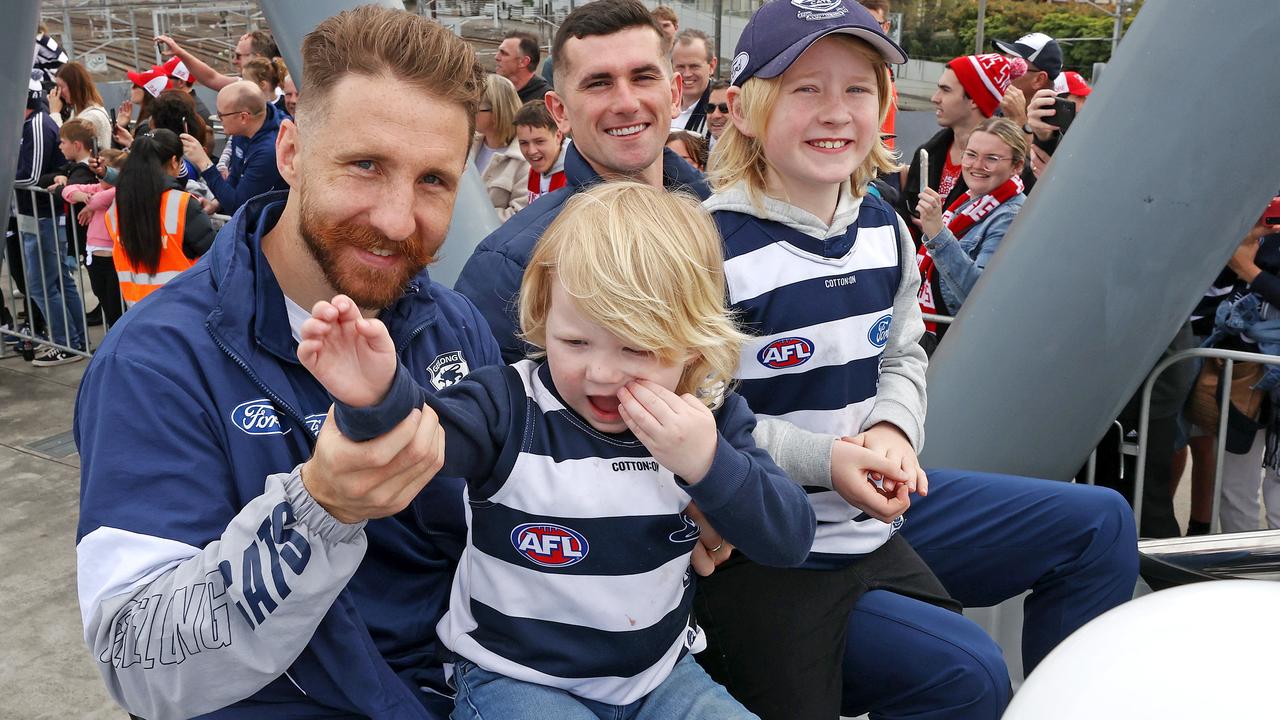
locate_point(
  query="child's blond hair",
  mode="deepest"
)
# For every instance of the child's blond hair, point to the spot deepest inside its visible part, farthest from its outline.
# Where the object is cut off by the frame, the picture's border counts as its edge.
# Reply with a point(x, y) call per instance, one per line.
point(738, 158)
point(647, 265)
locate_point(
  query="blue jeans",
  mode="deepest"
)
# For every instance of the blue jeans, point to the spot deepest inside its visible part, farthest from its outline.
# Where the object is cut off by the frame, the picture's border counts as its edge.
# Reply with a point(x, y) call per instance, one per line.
point(687, 693)
point(988, 538)
point(51, 282)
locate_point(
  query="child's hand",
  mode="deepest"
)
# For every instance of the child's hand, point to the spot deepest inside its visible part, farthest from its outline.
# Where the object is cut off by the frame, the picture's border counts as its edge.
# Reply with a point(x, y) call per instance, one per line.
point(79, 197)
point(352, 356)
point(679, 430)
point(85, 216)
point(853, 469)
point(886, 440)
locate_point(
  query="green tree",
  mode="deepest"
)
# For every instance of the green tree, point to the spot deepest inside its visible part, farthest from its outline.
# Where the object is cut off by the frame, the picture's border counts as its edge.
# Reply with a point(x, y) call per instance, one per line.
point(943, 29)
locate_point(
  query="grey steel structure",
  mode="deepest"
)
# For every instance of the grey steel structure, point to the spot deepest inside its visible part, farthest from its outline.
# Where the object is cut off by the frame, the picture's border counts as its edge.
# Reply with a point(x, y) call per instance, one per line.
point(16, 37)
point(1146, 198)
point(473, 214)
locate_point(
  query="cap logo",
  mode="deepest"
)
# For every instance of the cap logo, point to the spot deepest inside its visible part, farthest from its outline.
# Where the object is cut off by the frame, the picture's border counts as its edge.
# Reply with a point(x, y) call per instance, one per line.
point(820, 9)
point(739, 64)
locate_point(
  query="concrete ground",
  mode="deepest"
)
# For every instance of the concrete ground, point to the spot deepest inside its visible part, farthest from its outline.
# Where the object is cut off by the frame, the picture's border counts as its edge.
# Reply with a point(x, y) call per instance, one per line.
point(47, 672)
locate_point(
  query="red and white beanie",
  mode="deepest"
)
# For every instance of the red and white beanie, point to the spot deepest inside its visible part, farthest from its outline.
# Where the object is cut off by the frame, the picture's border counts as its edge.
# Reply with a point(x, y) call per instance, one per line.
point(986, 77)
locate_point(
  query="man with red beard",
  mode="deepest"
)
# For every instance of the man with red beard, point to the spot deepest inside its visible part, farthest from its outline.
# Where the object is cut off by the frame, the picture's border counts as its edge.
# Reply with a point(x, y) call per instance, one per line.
point(237, 555)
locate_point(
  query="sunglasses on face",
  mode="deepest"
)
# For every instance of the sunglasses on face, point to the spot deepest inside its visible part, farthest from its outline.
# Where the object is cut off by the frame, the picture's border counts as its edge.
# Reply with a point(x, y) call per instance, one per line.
point(718, 107)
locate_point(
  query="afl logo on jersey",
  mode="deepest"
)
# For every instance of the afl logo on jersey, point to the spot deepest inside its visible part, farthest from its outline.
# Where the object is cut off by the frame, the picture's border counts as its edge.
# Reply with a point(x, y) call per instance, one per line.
point(257, 417)
point(878, 335)
point(785, 353)
point(549, 545)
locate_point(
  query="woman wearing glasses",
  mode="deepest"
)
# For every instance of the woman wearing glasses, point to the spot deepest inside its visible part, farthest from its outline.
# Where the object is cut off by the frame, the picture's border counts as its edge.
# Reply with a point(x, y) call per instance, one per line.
point(962, 238)
point(495, 151)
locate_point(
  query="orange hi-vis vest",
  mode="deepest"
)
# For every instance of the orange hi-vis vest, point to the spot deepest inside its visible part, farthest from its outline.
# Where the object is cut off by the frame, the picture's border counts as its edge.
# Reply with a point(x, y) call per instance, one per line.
point(136, 283)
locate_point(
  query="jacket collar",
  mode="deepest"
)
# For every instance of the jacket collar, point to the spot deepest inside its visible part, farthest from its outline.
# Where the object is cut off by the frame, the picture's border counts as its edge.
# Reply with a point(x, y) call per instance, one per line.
point(240, 271)
point(510, 150)
point(676, 173)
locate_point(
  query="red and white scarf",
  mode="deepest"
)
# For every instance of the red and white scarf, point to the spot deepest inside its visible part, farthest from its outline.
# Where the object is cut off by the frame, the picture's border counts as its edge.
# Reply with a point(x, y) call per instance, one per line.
point(960, 223)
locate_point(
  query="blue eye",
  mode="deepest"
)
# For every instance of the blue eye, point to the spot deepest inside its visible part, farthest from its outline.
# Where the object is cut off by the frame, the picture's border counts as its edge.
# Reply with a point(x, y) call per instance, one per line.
point(364, 164)
point(432, 180)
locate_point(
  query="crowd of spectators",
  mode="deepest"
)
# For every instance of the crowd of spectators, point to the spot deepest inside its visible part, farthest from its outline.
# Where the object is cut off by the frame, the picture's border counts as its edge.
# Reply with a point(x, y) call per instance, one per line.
point(104, 209)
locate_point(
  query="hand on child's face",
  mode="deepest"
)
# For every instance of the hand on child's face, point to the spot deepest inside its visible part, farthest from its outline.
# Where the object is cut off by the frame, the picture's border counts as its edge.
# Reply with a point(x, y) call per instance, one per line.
point(590, 365)
point(678, 429)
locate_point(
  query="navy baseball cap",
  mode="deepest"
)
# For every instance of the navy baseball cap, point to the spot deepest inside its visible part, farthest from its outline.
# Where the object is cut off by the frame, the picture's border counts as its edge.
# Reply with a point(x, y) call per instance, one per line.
point(1036, 48)
point(783, 29)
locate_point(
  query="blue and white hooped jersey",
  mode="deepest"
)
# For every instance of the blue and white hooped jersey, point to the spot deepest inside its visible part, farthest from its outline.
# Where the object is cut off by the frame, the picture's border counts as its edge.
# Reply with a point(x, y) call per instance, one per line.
point(576, 573)
point(819, 313)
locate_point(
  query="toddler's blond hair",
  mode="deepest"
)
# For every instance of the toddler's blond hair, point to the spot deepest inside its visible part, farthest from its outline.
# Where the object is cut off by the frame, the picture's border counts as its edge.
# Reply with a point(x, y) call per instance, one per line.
point(648, 266)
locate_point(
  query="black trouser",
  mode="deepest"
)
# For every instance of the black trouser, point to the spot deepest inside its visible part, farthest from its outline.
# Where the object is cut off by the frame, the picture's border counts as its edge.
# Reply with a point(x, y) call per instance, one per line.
point(776, 636)
point(17, 271)
point(106, 286)
point(1158, 520)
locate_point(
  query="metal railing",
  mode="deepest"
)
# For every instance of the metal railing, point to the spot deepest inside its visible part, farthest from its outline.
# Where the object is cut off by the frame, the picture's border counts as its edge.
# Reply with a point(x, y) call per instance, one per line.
point(48, 245)
point(1091, 466)
point(1229, 358)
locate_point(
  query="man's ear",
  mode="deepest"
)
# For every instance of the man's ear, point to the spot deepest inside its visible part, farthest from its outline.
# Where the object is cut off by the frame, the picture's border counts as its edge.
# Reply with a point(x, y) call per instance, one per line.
point(287, 152)
point(555, 105)
point(715, 61)
point(676, 96)
point(733, 96)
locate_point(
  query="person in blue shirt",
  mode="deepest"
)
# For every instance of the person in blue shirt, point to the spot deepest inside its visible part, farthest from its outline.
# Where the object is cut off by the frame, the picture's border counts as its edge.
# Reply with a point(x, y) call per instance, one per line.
point(576, 586)
point(237, 556)
point(252, 123)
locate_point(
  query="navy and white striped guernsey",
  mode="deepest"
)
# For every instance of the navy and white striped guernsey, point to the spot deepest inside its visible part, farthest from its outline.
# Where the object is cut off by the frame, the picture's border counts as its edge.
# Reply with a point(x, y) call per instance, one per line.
point(819, 312)
point(576, 573)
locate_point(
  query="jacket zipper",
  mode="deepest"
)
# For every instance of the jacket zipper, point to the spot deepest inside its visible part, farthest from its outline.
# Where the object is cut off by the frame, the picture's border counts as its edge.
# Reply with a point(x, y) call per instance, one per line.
point(271, 395)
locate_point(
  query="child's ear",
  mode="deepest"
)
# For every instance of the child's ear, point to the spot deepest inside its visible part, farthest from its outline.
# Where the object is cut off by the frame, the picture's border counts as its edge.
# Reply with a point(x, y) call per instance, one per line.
point(734, 98)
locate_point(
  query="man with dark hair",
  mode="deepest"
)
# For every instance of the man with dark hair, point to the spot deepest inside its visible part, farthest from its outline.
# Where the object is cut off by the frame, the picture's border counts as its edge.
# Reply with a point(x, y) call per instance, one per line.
point(517, 61)
point(237, 555)
point(252, 124)
point(717, 111)
point(694, 59)
point(616, 91)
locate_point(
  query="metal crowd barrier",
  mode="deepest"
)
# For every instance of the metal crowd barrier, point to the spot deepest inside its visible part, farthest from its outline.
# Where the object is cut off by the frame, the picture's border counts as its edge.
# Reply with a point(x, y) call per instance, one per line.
point(1229, 357)
point(40, 273)
point(1144, 420)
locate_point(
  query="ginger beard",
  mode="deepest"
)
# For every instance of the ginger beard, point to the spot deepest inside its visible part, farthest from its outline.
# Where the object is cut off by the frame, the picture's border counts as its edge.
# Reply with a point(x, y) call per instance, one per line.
point(335, 246)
